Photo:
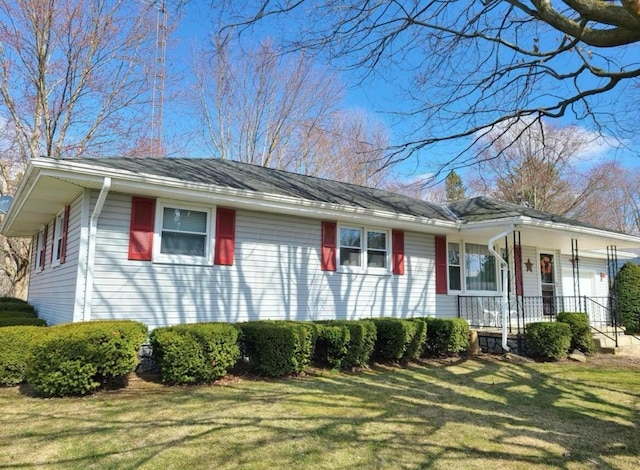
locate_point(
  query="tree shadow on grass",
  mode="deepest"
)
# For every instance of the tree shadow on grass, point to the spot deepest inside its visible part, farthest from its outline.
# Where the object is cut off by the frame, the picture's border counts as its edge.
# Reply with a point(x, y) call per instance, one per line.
point(456, 414)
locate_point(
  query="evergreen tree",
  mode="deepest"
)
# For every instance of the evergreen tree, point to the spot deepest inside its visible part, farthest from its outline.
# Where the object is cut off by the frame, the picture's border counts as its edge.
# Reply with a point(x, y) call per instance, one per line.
point(627, 287)
point(454, 188)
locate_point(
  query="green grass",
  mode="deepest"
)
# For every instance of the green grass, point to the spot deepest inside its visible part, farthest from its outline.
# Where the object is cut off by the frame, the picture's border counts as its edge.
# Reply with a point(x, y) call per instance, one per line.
point(476, 413)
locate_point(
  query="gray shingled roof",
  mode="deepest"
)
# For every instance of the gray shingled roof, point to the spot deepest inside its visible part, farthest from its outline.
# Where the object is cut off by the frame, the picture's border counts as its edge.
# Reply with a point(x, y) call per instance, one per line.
point(484, 208)
point(243, 176)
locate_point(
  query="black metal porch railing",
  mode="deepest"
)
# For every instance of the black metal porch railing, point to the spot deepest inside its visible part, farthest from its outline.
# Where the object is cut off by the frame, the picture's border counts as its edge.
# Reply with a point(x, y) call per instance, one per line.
point(486, 312)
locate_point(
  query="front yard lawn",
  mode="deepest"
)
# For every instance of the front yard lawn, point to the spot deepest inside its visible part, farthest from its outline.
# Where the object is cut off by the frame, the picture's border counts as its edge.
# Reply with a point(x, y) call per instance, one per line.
point(461, 413)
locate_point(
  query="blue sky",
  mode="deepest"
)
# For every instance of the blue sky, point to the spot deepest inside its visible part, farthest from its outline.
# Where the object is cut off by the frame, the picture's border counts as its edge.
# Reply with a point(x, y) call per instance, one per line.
point(375, 96)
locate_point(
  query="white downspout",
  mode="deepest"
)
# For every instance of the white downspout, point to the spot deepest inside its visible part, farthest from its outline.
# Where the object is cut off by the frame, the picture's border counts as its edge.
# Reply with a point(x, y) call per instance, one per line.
point(504, 268)
point(91, 252)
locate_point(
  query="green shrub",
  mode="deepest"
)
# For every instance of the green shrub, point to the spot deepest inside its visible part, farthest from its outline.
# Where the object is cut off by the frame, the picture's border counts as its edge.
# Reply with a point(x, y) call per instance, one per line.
point(17, 307)
point(22, 321)
point(394, 338)
point(581, 337)
point(13, 300)
point(548, 340)
point(362, 340)
point(16, 314)
point(332, 345)
point(15, 342)
point(418, 338)
point(446, 336)
point(195, 353)
point(627, 287)
point(78, 358)
point(278, 348)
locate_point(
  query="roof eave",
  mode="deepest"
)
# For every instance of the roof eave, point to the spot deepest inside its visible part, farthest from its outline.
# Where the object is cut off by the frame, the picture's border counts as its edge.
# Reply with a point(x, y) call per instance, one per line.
point(90, 176)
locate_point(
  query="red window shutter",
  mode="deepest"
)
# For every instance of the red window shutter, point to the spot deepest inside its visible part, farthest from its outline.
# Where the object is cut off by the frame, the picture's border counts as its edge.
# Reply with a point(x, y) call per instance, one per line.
point(225, 236)
point(34, 253)
point(53, 240)
point(441, 265)
point(517, 260)
point(397, 241)
point(65, 233)
point(143, 213)
point(328, 255)
point(43, 260)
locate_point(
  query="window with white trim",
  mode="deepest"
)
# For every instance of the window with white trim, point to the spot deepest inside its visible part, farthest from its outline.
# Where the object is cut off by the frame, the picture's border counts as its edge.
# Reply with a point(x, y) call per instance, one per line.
point(57, 238)
point(183, 234)
point(364, 249)
point(40, 250)
point(478, 273)
point(453, 256)
point(480, 268)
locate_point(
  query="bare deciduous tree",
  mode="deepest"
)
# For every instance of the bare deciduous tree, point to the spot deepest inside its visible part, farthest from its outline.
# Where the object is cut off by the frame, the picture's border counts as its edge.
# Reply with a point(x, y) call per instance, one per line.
point(74, 80)
point(74, 74)
point(540, 166)
point(466, 69)
point(351, 148)
point(282, 111)
point(260, 107)
point(616, 204)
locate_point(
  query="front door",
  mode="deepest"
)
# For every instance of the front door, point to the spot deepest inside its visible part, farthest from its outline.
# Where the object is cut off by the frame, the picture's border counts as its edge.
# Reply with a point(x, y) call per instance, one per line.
point(547, 283)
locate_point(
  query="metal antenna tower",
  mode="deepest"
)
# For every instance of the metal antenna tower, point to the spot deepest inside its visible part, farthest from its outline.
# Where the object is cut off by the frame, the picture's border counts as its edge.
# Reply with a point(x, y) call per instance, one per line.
point(157, 96)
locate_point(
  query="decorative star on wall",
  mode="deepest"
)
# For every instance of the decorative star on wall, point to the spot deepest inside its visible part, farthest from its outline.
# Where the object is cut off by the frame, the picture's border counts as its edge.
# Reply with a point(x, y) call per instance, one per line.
point(529, 265)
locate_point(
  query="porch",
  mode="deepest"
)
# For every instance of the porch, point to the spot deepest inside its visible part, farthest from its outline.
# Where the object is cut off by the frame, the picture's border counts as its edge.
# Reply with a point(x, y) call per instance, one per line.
point(486, 311)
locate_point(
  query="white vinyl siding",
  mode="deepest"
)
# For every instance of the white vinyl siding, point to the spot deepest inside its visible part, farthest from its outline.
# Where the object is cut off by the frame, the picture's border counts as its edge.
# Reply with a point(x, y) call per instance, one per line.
point(52, 291)
point(276, 275)
point(592, 282)
point(530, 279)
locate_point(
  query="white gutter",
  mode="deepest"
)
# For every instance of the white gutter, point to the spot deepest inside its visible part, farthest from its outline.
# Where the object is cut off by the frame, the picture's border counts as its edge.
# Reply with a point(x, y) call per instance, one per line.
point(504, 268)
point(91, 252)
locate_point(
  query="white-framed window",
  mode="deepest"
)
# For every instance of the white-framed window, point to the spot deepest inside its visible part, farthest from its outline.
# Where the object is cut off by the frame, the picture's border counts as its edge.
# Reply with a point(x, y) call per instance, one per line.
point(471, 268)
point(40, 251)
point(480, 268)
point(455, 270)
point(58, 238)
point(183, 234)
point(363, 249)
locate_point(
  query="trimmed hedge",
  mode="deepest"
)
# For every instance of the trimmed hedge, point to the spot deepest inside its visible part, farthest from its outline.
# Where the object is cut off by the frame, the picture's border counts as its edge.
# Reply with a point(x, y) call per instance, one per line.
point(332, 344)
point(446, 336)
point(581, 338)
point(195, 353)
point(22, 321)
point(362, 340)
point(15, 342)
point(548, 340)
point(16, 314)
point(627, 286)
point(278, 348)
point(17, 307)
point(418, 338)
point(395, 337)
point(78, 358)
point(15, 300)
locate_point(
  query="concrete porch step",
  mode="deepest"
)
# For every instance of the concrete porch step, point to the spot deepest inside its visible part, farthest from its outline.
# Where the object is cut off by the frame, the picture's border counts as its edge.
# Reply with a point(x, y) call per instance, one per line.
point(627, 344)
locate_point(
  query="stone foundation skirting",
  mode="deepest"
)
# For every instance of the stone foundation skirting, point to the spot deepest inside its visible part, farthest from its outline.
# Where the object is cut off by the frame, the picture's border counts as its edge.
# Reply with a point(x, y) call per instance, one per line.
point(490, 342)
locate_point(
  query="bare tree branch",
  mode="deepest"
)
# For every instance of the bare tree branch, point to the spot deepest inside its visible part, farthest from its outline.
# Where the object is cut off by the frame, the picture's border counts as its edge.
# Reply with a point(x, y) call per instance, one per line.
point(467, 68)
